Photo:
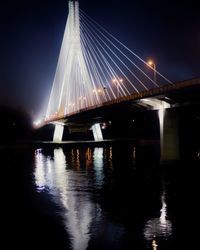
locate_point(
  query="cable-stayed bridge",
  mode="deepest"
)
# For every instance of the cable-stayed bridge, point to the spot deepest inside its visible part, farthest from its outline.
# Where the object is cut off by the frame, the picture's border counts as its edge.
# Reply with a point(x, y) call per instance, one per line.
point(94, 67)
point(95, 70)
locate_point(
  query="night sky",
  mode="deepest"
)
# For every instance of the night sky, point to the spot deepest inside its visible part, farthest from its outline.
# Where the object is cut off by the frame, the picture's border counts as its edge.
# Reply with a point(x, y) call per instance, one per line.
point(31, 35)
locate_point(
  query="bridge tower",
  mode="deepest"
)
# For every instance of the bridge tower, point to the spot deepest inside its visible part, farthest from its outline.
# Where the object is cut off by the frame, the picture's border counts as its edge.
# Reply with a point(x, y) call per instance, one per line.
point(72, 84)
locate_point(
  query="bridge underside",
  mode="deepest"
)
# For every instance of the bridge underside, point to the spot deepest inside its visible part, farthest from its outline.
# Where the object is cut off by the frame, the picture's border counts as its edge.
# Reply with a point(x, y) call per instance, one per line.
point(179, 97)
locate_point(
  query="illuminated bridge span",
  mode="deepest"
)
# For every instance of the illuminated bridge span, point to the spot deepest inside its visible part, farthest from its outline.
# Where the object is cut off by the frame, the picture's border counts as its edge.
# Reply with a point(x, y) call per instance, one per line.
point(96, 71)
point(95, 68)
point(171, 95)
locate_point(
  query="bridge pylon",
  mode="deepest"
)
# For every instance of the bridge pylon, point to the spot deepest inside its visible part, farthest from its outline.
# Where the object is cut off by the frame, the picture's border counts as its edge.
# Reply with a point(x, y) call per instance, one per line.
point(72, 86)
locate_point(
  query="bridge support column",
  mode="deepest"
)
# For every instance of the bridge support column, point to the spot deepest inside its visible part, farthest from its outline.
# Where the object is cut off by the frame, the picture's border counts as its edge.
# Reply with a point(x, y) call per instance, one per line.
point(169, 135)
point(97, 133)
point(58, 133)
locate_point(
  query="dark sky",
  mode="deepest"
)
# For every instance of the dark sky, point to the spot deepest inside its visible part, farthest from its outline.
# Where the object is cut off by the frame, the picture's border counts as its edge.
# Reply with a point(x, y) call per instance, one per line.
point(32, 30)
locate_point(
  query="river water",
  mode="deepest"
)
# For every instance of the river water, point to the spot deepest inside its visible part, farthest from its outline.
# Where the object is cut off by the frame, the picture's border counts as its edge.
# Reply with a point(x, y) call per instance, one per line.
point(112, 196)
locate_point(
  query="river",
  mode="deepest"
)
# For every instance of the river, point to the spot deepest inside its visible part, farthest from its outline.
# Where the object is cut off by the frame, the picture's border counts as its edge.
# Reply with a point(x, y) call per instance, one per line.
point(111, 196)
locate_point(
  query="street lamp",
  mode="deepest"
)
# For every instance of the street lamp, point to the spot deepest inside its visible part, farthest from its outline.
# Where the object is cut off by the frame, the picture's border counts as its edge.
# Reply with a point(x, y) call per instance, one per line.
point(99, 91)
point(153, 66)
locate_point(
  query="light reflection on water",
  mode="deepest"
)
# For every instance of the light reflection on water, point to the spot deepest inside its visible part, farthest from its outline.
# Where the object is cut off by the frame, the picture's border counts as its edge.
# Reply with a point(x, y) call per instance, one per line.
point(98, 166)
point(63, 185)
point(75, 179)
point(158, 227)
point(71, 189)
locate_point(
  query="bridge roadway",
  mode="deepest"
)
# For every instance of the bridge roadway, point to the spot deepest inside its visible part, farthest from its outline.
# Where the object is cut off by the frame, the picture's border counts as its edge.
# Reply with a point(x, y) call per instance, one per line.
point(176, 94)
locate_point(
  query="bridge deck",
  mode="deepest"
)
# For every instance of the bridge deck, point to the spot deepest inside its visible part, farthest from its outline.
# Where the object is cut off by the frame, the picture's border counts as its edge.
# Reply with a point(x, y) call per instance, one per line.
point(170, 90)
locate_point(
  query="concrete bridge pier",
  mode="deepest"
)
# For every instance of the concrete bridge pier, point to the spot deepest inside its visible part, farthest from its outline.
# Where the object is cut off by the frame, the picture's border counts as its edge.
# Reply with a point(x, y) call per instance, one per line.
point(59, 129)
point(169, 135)
point(169, 131)
point(58, 133)
point(97, 133)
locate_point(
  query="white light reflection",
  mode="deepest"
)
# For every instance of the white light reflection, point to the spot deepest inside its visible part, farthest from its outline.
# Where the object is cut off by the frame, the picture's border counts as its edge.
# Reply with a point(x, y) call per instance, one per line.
point(163, 210)
point(66, 189)
point(39, 171)
point(161, 114)
point(159, 227)
point(98, 166)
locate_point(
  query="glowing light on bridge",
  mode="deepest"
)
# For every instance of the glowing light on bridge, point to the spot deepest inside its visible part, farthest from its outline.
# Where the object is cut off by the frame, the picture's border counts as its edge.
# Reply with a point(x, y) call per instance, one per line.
point(153, 66)
point(37, 123)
